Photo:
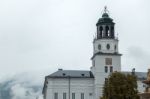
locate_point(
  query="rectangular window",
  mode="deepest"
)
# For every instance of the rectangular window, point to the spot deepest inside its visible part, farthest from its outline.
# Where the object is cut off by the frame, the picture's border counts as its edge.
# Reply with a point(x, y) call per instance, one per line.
point(108, 61)
point(55, 95)
point(64, 96)
point(73, 95)
point(111, 69)
point(106, 69)
point(82, 95)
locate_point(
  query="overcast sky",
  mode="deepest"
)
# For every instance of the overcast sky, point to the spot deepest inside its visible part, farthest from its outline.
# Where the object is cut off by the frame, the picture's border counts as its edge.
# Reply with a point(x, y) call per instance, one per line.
point(41, 36)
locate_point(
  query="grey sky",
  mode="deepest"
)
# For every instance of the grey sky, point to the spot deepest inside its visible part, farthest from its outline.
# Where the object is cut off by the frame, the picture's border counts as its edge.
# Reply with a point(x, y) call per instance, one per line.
point(43, 35)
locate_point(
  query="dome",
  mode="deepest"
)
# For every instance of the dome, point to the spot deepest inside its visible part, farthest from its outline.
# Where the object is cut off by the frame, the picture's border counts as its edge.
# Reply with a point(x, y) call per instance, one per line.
point(105, 19)
point(105, 15)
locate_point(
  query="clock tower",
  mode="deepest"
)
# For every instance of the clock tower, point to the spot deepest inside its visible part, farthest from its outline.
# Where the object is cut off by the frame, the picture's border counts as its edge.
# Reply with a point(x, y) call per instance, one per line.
point(106, 57)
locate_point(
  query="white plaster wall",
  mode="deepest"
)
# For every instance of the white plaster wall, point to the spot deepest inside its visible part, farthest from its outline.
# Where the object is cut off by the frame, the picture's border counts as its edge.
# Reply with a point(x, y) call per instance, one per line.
point(77, 86)
point(99, 71)
point(100, 66)
point(103, 43)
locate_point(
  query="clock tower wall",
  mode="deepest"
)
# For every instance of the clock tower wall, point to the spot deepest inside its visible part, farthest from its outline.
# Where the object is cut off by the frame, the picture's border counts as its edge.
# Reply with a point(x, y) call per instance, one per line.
point(105, 46)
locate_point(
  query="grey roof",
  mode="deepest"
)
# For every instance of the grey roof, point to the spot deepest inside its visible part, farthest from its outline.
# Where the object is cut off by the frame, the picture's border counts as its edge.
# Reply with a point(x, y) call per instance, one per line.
point(84, 74)
point(140, 75)
point(71, 73)
point(87, 74)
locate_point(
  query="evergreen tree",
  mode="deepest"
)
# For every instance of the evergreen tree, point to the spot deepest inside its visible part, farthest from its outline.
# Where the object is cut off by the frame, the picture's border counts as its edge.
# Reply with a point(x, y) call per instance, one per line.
point(120, 86)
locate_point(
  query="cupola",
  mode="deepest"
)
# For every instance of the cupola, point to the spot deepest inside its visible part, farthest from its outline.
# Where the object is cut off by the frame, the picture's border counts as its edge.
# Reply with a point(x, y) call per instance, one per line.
point(105, 26)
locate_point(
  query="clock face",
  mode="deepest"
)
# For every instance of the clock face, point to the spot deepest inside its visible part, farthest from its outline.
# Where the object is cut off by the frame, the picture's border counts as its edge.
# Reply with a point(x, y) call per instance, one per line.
point(99, 46)
point(108, 61)
point(108, 46)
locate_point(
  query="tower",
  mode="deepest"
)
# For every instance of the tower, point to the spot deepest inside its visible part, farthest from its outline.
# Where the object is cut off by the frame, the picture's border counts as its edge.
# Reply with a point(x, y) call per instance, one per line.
point(106, 58)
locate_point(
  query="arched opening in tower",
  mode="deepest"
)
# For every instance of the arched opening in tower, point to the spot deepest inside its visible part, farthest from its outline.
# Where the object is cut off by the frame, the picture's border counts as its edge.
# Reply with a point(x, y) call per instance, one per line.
point(107, 32)
point(101, 32)
point(112, 32)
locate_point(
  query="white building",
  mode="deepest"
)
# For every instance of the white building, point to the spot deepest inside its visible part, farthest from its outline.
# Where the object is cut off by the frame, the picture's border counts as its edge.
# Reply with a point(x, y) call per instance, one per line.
point(75, 84)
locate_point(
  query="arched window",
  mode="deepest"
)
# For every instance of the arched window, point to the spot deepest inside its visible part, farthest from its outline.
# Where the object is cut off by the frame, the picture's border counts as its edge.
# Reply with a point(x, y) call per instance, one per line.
point(101, 31)
point(112, 32)
point(108, 46)
point(111, 69)
point(107, 31)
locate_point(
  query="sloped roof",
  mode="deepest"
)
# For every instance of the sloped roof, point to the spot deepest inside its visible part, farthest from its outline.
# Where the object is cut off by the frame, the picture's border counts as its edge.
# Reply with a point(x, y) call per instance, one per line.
point(87, 74)
point(84, 74)
point(71, 73)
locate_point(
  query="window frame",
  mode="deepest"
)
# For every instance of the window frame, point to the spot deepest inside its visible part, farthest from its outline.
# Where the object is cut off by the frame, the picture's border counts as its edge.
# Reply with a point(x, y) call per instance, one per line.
point(64, 95)
point(73, 96)
point(82, 95)
point(111, 69)
point(106, 69)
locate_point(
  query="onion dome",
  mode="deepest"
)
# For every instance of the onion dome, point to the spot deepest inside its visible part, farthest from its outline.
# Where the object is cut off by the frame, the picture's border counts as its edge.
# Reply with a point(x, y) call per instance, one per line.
point(105, 19)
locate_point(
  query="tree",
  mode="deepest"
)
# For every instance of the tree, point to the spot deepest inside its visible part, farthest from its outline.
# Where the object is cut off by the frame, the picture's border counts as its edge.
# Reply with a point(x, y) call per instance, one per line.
point(120, 86)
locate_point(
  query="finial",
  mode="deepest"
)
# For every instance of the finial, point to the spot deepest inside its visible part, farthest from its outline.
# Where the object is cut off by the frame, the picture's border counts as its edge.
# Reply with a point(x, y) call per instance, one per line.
point(105, 12)
point(105, 9)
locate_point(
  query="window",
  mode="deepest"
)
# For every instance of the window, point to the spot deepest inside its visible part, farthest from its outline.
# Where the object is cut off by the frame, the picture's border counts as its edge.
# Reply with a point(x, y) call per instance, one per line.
point(112, 32)
point(55, 95)
point(90, 94)
point(108, 46)
point(111, 68)
point(106, 69)
point(82, 95)
point(99, 46)
point(73, 95)
point(101, 31)
point(64, 74)
point(82, 74)
point(107, 31)
point(106, 79)
point(64, 95)
point(108, 61)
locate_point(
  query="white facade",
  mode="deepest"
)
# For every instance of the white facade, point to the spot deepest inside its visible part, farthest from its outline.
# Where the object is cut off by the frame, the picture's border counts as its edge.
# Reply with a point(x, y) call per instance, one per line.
point(77, 86)
point(103, 43)
point(89, 84)
point(99, 62)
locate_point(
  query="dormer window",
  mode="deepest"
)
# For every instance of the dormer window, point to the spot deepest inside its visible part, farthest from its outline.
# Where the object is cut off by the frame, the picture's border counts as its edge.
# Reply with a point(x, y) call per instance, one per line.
point(64, 74)
point(82, 74)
